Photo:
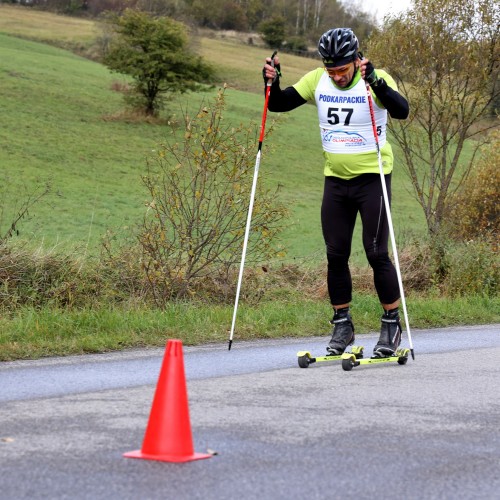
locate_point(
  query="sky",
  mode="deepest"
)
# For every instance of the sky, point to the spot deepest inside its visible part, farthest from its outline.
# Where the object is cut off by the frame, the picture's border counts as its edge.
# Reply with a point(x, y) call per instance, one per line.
point(381, 7)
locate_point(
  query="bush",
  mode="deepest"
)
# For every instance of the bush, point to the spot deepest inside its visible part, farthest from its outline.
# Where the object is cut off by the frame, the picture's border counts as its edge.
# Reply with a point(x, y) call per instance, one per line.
point(472, 269)
point(199, 183)
point(61, 281)
point(476, 213)
point(296, 44)
point(35, 279)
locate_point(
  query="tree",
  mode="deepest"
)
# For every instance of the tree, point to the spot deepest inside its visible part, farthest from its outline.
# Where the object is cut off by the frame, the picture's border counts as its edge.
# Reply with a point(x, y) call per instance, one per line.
point(311, 18)
point(154, 51)
point(273, 31)
point(444, 55)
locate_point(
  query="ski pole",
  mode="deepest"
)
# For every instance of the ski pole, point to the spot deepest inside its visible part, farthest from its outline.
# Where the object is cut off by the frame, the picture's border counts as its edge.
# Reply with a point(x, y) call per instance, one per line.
point(250, 207)
point(389, 218)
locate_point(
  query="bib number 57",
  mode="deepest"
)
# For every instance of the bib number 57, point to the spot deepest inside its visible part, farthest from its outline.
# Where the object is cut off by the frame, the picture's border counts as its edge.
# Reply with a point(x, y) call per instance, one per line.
point(334, 115)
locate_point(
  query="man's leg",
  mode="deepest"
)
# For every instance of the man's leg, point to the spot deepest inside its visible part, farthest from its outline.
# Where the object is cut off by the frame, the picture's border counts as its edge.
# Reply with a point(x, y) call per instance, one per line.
point(338, 217)
point(376, 244)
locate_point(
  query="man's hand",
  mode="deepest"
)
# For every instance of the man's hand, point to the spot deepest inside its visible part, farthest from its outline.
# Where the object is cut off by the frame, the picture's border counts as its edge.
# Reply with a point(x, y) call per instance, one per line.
point(368, 72)
point(269, 72)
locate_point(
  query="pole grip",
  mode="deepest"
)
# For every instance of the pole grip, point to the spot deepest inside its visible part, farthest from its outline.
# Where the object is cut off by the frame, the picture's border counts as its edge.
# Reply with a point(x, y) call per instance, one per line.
point(266, 102)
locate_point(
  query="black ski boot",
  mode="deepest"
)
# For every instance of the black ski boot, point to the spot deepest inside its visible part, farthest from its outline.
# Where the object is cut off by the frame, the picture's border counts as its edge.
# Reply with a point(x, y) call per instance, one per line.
point(343, 332)
point(390, 335)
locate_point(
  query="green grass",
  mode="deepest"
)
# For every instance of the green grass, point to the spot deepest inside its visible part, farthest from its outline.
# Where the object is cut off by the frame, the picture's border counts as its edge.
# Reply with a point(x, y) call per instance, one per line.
point(31, 334)
point(56, 127)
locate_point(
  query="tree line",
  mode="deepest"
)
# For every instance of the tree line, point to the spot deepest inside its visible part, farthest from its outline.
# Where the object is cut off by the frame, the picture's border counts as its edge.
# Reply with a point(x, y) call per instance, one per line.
point(302, 21)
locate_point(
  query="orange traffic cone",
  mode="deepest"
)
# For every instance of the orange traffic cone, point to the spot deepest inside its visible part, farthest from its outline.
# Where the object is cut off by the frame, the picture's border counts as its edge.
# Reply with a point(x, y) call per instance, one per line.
point(168, 435)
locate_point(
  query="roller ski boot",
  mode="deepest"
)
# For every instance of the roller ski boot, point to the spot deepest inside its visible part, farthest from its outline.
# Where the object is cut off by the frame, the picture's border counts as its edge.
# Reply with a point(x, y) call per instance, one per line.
point(342, 336)
point(390, 335)
point(343, 332)
point(387, 349)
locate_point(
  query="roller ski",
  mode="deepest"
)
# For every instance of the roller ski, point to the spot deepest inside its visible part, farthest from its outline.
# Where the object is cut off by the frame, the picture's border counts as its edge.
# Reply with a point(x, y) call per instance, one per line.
point(349, 361)
point(387, 349)
point(342, 336)
point(305, 358)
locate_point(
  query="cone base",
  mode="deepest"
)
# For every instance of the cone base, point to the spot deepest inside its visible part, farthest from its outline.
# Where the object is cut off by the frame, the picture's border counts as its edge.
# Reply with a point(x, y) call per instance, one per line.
point(166, 458)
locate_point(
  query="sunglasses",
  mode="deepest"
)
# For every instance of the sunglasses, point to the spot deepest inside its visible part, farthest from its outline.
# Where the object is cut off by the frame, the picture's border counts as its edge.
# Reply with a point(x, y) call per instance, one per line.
point(338, 71)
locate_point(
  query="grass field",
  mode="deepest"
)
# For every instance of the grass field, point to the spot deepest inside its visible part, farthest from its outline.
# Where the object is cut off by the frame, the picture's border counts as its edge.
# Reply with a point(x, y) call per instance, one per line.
point(56, 113)
point(46, 26)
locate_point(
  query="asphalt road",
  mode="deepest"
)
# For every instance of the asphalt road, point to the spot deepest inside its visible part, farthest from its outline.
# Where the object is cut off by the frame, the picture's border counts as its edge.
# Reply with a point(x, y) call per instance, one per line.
point(429, 429)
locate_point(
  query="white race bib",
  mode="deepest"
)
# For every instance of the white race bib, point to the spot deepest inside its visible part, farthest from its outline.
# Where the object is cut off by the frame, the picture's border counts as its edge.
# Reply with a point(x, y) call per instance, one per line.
point(344, 118)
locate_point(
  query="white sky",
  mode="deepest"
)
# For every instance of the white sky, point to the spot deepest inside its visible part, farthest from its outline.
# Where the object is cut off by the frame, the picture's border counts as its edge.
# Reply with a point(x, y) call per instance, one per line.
point(380, 7)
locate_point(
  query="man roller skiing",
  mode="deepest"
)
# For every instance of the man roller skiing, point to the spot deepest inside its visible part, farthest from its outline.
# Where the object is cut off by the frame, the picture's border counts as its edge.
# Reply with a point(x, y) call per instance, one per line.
point(352, 178)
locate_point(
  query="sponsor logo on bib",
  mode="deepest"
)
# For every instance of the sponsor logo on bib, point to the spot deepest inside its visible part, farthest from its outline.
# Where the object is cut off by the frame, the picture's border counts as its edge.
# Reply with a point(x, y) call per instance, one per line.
point(347, 139)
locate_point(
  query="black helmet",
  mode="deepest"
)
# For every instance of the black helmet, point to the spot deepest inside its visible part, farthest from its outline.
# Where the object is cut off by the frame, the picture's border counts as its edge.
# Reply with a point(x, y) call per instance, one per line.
point(338, 46)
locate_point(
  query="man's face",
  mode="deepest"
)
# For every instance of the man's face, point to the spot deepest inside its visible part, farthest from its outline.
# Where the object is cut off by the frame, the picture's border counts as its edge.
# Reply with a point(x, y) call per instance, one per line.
point(342, 75)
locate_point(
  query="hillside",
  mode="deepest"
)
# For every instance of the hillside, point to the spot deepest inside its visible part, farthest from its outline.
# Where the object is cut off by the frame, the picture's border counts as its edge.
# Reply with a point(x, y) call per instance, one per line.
point(60, 125)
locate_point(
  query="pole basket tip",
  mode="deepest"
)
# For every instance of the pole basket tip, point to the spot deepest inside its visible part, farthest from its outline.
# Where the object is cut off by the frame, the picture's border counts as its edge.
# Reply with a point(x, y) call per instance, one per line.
point(230, 344)
point(412, 354)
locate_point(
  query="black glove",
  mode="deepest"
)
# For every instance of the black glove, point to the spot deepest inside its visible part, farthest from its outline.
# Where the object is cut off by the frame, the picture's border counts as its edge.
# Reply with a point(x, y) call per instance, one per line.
point(277, 67)
point(370, 75)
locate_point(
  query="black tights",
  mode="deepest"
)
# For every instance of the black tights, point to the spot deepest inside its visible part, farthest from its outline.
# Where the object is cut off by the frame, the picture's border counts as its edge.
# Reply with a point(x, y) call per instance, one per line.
point(342, 200)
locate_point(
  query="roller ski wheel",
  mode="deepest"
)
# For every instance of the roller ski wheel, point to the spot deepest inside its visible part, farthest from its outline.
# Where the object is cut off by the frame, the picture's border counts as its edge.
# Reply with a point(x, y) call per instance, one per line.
point(304, 358)
point(349, 361)
point(403, 356)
